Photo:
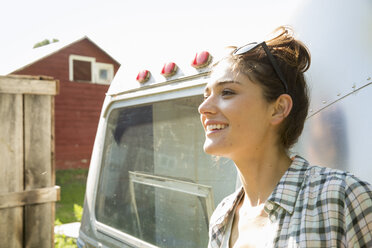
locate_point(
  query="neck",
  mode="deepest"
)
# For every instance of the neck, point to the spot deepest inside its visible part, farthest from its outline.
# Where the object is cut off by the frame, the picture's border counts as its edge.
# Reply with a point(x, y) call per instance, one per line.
point(260, 173)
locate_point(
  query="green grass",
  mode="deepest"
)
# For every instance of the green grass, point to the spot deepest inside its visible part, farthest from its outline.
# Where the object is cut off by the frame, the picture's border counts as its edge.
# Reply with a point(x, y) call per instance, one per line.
point(61, 241)
point(72, 183)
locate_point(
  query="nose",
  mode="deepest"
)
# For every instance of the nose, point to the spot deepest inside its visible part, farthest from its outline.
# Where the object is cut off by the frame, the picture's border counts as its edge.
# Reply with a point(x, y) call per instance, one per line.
point(208, 106)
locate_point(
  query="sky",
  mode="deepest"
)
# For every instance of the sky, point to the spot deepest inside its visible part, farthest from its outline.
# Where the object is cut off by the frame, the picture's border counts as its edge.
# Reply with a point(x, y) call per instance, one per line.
point(138, 33)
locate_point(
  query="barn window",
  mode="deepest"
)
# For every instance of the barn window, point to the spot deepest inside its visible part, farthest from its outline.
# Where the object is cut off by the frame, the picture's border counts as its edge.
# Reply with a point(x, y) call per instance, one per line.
point(86, 69)
point(81, 68)
point(104, 73)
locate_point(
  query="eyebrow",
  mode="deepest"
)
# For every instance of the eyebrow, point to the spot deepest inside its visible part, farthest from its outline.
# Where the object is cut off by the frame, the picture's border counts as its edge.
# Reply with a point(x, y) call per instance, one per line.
point(222, 83)
point(227, 82)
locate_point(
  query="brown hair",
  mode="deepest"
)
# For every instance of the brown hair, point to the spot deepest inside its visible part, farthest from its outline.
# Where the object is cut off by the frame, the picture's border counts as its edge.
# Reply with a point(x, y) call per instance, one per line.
point(293, 59)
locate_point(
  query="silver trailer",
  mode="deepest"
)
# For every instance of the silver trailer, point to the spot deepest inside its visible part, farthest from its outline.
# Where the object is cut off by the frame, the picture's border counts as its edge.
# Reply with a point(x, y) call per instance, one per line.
point(150, 183)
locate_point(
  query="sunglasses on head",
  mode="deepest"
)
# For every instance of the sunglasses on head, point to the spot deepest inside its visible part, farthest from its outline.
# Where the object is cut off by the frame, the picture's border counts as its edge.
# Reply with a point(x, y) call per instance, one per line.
point(251, 46)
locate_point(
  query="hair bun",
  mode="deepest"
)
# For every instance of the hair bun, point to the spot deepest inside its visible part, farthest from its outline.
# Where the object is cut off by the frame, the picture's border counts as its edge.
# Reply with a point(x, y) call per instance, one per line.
point(293, 52)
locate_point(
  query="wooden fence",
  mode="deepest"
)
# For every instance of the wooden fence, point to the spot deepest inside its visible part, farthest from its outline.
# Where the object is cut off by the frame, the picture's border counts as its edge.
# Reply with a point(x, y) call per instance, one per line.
point(27, 177)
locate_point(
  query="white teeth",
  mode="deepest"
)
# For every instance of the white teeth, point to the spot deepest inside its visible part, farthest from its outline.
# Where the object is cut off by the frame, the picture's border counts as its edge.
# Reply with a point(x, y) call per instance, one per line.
point(216, 127)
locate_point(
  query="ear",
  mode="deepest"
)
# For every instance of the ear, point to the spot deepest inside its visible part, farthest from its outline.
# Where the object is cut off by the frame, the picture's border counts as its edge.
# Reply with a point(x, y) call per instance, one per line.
point(281, 109)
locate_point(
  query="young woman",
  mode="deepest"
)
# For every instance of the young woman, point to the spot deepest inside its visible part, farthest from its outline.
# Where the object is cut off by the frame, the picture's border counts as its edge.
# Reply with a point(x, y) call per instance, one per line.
point(253, 111)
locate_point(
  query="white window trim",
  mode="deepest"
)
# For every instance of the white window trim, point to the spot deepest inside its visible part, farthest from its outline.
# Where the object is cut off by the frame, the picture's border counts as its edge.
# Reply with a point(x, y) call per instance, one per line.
point(82, 58)
point(110, 71)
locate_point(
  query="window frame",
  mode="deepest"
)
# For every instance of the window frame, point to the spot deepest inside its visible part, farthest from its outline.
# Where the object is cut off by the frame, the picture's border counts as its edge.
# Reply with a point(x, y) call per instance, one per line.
point(73, 57)
point(194, 189)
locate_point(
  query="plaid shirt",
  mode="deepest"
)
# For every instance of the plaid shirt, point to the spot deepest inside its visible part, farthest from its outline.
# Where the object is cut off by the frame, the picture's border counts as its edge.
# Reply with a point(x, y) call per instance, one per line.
point(312, 206)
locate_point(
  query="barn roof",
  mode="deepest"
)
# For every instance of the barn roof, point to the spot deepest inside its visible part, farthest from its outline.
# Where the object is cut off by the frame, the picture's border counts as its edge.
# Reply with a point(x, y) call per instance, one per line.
point(37, 54)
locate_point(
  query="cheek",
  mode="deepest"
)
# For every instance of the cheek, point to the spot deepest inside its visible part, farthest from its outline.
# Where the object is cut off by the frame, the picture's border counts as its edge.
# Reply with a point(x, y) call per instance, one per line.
point(202, 119)
point(248, 120)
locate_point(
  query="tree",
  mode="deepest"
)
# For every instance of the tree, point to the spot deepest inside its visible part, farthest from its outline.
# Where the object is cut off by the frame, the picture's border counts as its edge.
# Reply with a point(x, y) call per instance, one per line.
point(45, 42)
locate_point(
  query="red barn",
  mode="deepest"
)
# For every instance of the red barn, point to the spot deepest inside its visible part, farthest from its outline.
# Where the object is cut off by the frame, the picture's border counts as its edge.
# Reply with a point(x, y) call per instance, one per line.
point(85, 72)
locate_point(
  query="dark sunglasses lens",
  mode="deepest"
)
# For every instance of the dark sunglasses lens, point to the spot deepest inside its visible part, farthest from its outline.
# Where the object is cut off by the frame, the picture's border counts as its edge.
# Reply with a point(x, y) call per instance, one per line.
point(246, 48)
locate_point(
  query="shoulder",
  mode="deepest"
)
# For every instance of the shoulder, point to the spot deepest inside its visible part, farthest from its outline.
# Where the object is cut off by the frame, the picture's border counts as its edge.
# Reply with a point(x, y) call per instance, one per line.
point(351, 197)
point(358, 212)
point(323, 178)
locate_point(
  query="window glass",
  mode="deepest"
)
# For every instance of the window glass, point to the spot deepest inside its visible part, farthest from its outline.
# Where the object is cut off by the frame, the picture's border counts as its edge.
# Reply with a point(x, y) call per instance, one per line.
point(103, 74)
point(82, 70)
point(156, 183)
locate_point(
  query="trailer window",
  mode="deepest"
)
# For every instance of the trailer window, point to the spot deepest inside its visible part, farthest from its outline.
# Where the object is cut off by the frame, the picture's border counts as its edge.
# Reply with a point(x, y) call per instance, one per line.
point(156, 183)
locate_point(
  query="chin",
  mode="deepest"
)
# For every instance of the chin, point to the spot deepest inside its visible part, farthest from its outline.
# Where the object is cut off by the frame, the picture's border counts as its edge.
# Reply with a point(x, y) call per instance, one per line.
point(213, 149)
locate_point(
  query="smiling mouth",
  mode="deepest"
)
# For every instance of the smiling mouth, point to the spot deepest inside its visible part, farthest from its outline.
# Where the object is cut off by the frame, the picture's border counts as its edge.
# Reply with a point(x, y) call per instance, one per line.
point(215, 127)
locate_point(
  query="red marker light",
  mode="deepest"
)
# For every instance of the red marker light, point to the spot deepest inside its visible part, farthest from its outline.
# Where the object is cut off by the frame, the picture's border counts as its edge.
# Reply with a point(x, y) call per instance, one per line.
point(169, 69)
point(201, 59)
point(143, 76)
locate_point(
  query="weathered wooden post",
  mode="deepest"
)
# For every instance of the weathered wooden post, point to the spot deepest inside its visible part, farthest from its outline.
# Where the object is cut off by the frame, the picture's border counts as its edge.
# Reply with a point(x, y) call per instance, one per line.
point(27, 177)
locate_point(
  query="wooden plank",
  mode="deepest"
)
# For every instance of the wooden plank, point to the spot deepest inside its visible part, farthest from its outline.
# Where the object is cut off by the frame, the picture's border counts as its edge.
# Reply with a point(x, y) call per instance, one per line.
point(53, 135)
point(11, 167)
point(38, 77)
point(19, 85)
point(39, 219)
point(35, 196)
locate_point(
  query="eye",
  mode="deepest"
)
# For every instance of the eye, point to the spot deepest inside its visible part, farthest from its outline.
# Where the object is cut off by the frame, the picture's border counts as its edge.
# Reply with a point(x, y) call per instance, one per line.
point(227, 92)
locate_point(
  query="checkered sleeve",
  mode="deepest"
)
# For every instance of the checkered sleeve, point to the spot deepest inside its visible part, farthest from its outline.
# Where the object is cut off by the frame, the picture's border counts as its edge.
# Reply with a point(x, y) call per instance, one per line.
point(358, 213)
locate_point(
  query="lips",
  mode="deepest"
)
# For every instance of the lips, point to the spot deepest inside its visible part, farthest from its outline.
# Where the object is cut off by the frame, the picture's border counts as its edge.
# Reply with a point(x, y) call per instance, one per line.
point(214, 127)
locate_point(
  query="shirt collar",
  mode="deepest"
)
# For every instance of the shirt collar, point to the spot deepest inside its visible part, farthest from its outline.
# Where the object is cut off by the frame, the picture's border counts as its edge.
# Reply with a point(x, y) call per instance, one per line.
point(226, 207)
point(286, 192)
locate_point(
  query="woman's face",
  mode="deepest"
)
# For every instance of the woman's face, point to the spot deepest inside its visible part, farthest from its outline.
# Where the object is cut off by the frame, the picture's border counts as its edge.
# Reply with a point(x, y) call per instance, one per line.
point(234, 114)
